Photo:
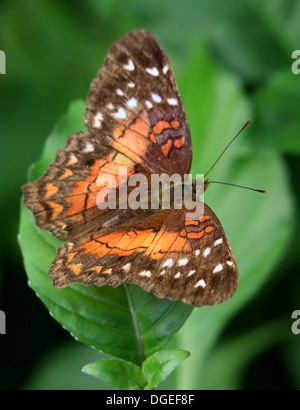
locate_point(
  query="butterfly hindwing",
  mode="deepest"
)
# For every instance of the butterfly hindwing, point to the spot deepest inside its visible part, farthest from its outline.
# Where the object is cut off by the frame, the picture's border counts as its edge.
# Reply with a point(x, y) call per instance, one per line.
point(165, 253)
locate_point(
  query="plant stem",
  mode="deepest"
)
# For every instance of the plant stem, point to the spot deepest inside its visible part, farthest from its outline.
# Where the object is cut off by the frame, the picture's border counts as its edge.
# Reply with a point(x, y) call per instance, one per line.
point(135, 324)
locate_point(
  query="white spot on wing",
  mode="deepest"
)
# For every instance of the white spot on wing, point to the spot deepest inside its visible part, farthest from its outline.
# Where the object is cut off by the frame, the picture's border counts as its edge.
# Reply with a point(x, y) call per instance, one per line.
point(165, 69)
point(218, 268)
point(229, 263)
point(62, 224)
point(156, 97)
point(197, 252)
point(98, 120)
point(149, 104)
point(172, 101)
point(72, 160)
point(131, 84)
point(177, 275)
point(129, 66)
point(121, 113)
point(168, 263)
point(191, 272)
point(201, 283)
point(70, 246)
point(162, 272)
point(206, 252)
point(183, 262)
point(119, 92)
point(218, 242)
point(127, 267)
point(132, 103)
point(153, 71)
point(146, 273)
point(110, 106)
point(89, 147)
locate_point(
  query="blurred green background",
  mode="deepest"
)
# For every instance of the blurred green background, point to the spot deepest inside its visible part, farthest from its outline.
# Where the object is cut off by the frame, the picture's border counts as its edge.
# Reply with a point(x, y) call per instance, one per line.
point(53, 51)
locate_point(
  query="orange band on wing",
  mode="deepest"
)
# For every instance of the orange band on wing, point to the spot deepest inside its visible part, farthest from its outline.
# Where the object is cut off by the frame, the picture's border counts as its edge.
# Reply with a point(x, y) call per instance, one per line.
point(78, 204)
point(153, 139)
point(160, 126)
point(96, 269)
point(195, 235)
point(110, 236)
point(178, 245)
point(166, 148)
point(124, 150)
point(179, 143)
point(90, 246)
point(143, 238)
point(175, 124)
point(66, 174)
point(163, 245)
point(50, 190)
point(76, 268)
point(191, 222)
point(70, 256)
point(57, 209)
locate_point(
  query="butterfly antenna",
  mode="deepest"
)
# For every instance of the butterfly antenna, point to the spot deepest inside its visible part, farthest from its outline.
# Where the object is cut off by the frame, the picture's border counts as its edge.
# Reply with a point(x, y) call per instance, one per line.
point(238, 186)
point(227, 146)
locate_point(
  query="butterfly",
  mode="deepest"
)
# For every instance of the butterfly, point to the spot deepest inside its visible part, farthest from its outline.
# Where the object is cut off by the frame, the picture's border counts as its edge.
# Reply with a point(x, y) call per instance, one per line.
point(135, 119)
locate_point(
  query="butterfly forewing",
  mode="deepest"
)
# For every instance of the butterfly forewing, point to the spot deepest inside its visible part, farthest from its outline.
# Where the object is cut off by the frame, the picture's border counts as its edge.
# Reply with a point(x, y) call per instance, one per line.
point(136, 97)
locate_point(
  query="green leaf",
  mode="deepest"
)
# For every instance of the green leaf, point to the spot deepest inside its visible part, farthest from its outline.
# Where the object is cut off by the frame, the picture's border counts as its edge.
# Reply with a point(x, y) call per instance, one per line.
point(158, 366)
point(125, 322)
point(117, 373)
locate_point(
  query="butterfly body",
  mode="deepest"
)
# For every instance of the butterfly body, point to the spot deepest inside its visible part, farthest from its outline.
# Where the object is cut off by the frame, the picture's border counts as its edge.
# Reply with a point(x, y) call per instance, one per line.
point(135, 122)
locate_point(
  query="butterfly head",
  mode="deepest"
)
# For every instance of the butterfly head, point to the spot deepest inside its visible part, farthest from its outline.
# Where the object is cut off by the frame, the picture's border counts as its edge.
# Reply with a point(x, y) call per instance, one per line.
point(199, 187)
point(206, 183)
